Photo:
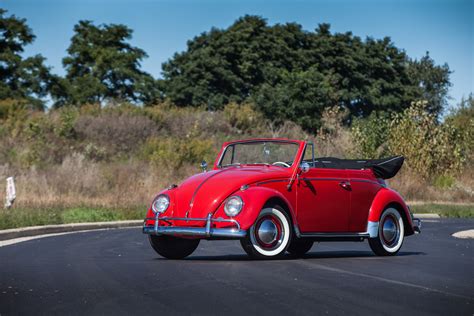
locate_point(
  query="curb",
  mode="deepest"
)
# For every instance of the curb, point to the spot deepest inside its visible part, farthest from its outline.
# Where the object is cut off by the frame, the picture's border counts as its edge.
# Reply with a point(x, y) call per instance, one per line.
point(465, 234)
point(439, 203)
point(427, 216)
point(53, 229)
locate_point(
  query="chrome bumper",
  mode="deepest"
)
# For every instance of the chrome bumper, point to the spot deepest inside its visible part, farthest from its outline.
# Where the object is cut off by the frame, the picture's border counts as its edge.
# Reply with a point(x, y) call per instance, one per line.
point(416, 225)
point(202, 232)
point(416, 222)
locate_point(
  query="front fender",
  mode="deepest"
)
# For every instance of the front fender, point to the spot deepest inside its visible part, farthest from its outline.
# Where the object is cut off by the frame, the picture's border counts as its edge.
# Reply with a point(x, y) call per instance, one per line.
point(254, 199)
point(382, 200)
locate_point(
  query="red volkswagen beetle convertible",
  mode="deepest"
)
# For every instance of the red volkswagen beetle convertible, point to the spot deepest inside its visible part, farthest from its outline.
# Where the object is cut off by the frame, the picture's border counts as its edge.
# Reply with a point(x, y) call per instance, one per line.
point(275, 196)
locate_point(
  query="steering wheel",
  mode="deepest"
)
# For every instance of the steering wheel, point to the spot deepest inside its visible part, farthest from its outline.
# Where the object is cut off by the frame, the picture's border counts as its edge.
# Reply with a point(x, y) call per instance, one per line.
point(284, 164)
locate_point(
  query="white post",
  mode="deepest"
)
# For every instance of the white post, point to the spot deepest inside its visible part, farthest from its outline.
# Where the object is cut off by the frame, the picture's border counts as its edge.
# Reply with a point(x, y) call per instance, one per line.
point(11, 192)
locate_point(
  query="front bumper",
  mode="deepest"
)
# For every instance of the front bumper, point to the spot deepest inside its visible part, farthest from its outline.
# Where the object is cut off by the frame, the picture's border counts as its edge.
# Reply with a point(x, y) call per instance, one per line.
point(207, 231)
point(416, 225)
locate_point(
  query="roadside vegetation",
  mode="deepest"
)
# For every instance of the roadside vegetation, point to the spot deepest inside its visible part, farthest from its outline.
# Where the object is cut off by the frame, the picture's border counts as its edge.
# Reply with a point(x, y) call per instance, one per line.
point(444, 209)
point(120, 156)
point(22, 217)
point(115, 136)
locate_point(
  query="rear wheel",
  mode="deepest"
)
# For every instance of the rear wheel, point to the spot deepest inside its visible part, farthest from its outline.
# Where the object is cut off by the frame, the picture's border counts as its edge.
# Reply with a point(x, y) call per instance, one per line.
point(390, 234)
point(269, 236)
point(299, 247)
point(173, 247)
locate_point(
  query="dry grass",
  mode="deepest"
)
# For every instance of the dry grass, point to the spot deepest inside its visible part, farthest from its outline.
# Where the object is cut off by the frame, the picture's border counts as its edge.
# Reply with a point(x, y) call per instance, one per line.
point(96, 158)
point(414, 188)
point(80, 182)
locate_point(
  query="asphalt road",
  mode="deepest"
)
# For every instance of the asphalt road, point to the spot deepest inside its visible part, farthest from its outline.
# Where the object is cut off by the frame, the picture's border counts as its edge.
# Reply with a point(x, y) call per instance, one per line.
point(117, 272)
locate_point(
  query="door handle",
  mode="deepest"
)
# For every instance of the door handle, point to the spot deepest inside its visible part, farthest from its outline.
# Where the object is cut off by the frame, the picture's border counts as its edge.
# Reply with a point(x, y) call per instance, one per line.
point(346, 185)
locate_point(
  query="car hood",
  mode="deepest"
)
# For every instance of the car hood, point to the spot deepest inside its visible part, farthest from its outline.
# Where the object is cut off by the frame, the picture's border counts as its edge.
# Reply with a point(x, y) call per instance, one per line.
point(203, 193)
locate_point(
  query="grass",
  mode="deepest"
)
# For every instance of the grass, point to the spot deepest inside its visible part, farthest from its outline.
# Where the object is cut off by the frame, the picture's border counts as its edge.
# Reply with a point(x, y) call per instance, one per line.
point(445, 210)
point(22, 217)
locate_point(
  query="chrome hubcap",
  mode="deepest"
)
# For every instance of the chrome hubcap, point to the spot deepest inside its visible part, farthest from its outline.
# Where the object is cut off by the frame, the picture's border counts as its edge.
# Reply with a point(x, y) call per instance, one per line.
point(389, 230)
point(267, 232)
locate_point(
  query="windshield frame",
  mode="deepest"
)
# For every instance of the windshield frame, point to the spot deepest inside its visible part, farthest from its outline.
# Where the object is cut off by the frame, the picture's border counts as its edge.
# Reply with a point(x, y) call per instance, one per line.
point(250, 141)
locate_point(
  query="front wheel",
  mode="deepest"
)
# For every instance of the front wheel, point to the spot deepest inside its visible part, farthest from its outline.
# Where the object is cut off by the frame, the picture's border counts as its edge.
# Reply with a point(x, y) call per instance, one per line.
point(173, 247)
point(390, 234)
point(299, 247)
point(269, 236)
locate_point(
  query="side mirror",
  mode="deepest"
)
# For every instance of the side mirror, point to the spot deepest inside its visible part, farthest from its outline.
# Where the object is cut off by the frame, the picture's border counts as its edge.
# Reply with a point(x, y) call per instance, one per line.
point(304, 167)
point(204, 166)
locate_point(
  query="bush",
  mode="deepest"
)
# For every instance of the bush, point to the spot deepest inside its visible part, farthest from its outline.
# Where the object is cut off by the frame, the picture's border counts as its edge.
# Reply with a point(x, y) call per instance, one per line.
point(192, 122)
point(243, 117)
point(40, 144)
point(333, 139)
point(370, 135)
point(9, 107)
point(118, 133)
point(444, 182)
point(66, 121)
point(173, 153)
point(13, 114)
point(431, 149)
point(462, 118)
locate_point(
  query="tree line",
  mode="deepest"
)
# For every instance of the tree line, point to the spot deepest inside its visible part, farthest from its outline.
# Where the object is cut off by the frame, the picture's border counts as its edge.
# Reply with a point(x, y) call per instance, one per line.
point(286, 72)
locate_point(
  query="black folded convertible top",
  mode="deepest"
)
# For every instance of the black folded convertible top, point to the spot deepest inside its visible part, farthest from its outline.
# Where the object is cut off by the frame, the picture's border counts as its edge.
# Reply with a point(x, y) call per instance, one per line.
point(384, 168)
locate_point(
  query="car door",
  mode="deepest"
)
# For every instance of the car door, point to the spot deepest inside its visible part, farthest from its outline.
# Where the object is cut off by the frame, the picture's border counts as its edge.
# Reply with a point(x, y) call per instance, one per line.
point(323, 201)
point(364, 187)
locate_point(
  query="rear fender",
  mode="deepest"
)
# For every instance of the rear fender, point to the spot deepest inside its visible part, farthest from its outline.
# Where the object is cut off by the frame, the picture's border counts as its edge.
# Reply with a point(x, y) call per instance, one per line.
point(254, 199)
point(384, 198)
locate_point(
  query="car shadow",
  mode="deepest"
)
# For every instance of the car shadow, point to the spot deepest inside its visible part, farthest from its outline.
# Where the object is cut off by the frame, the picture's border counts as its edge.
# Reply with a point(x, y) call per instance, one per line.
point(354, 254)
point(310, 255)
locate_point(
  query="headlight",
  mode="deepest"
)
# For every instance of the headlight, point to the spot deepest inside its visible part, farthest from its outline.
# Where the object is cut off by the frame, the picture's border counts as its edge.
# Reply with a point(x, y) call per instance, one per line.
point(233, 206)
point(160, 204)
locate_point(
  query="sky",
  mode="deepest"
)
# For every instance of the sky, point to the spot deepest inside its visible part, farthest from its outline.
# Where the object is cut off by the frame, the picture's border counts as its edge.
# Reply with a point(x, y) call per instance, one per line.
point(443, 27)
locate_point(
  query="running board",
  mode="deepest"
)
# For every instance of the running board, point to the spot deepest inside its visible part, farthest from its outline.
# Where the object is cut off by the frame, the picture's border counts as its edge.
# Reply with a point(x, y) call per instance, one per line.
point(335, 236)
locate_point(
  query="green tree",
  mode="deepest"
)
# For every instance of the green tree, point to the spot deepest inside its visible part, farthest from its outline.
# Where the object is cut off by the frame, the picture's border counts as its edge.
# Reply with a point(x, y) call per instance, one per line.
point(21, 78)
point(431, 82)
point(219, 66)
point(293, 74)
point(299, 96)
point(103, 67)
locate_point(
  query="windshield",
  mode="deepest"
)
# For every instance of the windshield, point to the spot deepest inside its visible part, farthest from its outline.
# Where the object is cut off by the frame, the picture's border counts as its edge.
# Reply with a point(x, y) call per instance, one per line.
point(259, 152)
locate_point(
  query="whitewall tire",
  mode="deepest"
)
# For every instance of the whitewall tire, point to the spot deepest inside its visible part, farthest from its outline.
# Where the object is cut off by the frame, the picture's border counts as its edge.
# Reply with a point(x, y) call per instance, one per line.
point(270, 235)
point(391, 233)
